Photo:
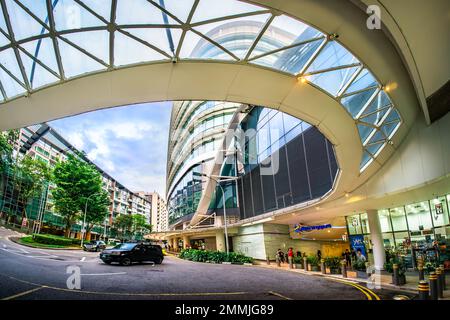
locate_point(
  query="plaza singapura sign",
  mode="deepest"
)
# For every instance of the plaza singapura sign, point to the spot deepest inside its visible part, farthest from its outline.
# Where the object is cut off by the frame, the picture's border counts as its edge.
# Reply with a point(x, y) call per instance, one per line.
point(299, 228)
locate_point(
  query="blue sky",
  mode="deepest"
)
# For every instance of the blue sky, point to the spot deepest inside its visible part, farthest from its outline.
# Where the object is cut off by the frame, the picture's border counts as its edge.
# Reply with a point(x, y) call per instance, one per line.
point(130, 143)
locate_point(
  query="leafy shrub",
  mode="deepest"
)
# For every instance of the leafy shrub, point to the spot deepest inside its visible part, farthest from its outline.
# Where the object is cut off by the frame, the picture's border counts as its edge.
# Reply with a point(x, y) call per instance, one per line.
point(51, 239)
point(388, 266)
point(298, 260)
point(313, 261)
point(213, 256)
point(333, 262)
point(359, 265)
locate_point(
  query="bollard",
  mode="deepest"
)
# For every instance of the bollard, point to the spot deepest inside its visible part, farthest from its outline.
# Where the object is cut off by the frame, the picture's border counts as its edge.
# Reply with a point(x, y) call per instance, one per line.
point(344, 268)
point(433, 286)
point(305, 263)
point(291, 265)
point(268, 260)
point(444, 285)
point(395, 269)
point(278, 261)
point(322, 266)
point(439, 283)
point(424, 289)
point(421, 272)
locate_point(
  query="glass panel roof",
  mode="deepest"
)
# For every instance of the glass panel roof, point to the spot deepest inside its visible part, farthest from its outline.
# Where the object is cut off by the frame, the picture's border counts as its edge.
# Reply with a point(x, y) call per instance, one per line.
point(79, 37)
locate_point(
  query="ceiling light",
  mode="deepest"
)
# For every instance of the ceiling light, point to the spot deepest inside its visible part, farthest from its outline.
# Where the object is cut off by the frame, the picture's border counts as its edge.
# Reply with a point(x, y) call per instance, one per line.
point(347, 194)
point(301, 79)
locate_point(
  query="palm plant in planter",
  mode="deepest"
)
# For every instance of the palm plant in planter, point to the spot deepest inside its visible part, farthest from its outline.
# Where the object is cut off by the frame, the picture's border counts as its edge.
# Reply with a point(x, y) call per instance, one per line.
point(313, 261)
point(334, 263)
point(360, 267)
point(389, 267)
point(298, 262)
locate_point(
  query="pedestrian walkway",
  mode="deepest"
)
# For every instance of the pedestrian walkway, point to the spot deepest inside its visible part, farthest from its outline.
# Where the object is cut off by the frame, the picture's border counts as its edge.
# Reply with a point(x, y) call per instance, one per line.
point(384, 280)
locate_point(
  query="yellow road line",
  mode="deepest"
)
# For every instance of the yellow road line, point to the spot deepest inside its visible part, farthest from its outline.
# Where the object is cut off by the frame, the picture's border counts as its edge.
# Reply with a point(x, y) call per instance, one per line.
point(369, 293)
point(23, 293)
point(279, 295)
point(130, 294)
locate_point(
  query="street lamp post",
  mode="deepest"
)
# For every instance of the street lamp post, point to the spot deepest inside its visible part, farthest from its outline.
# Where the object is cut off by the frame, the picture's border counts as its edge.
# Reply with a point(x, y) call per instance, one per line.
point(83, 230)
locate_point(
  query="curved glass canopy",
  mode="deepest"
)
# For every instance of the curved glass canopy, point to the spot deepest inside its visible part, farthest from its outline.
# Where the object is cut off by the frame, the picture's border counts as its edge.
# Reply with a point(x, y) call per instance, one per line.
point(45, 42)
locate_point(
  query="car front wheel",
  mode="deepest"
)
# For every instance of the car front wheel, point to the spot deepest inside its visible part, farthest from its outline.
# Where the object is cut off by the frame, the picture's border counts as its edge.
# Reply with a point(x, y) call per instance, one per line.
point(158, 261)
point(125, 262)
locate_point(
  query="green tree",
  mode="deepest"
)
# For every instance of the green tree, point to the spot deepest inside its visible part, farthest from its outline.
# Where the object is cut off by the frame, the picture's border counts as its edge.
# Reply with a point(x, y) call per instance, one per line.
point(97, 209)
point(140, 225)
point(76, 181)
point(123, 223)
point(29, 177)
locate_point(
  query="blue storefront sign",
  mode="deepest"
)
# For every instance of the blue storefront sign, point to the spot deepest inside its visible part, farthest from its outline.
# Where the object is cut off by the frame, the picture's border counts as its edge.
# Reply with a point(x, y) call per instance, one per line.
point(357, 242)
point(301, 228)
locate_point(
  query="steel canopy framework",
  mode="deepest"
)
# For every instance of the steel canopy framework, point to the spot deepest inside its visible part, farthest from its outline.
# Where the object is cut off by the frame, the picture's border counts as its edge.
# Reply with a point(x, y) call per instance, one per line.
point(47, 42)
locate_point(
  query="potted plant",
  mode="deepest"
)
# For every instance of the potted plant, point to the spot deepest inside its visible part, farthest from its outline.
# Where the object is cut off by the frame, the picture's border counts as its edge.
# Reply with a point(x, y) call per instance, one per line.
point(313, 261)
point(334, 263)
point(389, 267)
point(360, 267)
point(298, 262)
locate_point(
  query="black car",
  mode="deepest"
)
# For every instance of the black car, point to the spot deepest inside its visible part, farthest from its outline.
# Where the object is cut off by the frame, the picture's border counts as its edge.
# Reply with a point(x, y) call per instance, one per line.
point(127, 253)
point(94, 246)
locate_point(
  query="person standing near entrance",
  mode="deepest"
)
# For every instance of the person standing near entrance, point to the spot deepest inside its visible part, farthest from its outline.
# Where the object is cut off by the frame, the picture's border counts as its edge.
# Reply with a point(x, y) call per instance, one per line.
point(348, 259)
point(290, 254)
point(319, 255)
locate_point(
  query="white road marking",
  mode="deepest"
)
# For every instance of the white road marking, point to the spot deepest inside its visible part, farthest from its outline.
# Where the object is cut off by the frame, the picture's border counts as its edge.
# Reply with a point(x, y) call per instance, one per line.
point(82, 259)
point(102, 274)
point(24, 251)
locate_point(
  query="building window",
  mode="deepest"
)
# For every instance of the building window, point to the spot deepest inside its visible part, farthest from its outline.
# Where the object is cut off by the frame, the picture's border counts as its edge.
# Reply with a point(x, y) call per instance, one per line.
point(419, 217)
point(398, 219)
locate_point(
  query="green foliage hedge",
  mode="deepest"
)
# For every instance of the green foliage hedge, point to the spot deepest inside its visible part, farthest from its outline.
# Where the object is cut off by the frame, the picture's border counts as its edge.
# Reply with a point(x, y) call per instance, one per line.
point(333, 262)
point(213, 256)
point(54, 240)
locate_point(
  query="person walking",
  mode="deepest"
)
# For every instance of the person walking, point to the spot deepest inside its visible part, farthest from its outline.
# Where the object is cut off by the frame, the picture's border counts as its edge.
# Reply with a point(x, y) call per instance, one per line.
point(319, 255)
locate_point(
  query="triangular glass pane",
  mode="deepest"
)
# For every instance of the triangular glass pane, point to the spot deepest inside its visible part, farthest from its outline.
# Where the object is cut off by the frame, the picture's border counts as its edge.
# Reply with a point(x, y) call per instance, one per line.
point(38, 8)
point(374, 148)
point(76, 62)
point(94, 42)
point(291, 60)
point(375, 117)
point(139, 12)
point(379, 102)
point(212, 9)
point(70, 15)
point(2, 21)
point(390, 128)
point(356, 102)
point(378, 137)
point(129, 51)
point(43, 50)
point(282, 32)
point(364, 131)
point(331, 56)
point(9, 61)
point(101, 7)
point(365, 159)
point(23, 25)
point(332, 81)
point(196, 47)
point(235, 35)
point(392, 116)
point(4, 40)
point(179, 9)
point(11, 87)
point(364, 80)
point(159, 37)
point(37, 75)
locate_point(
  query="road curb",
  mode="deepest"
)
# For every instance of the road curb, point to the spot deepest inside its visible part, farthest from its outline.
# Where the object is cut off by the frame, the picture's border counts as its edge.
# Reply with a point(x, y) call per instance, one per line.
point(16, 240)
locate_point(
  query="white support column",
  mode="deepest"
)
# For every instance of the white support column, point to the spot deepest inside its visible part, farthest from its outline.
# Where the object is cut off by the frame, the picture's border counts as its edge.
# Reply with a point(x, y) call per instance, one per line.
point(220, 241)
point(379, 256)
point(186, 242)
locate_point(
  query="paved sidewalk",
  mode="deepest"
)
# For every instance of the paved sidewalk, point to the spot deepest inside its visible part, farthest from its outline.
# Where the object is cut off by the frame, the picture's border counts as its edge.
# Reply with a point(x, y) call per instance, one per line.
point(385, 279)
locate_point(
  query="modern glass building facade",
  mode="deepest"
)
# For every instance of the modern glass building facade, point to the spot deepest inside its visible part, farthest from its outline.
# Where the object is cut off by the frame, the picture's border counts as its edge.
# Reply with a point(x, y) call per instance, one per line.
point(280, 161)
point(286, 161)
point(421, 228)
point(197, 129)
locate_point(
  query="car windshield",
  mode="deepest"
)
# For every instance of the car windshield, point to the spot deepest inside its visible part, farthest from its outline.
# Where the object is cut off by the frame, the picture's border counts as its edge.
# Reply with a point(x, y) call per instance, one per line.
point(125, 246)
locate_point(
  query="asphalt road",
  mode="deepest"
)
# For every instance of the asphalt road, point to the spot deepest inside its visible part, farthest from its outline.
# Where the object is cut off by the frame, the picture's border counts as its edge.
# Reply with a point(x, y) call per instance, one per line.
point(37, 274)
